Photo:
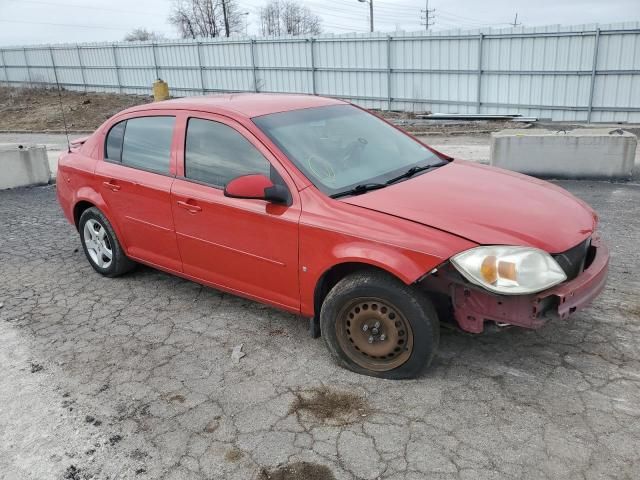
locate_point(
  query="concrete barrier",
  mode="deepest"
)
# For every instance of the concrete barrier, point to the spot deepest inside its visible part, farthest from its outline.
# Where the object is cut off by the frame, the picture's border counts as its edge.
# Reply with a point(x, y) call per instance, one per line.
point(581, 153)
point(21, 166)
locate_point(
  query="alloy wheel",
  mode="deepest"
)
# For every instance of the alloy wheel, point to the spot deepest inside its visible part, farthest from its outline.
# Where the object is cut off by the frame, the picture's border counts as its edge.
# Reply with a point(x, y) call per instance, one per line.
point(97, 243)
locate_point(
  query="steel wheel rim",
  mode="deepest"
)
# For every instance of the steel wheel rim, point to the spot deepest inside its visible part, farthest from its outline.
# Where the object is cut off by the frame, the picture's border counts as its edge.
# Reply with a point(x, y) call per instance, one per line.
point(374, 334)
point(97, 244)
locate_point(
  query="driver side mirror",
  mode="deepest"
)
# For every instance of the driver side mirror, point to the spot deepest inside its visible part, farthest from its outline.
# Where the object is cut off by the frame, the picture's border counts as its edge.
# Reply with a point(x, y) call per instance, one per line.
point(258, 187)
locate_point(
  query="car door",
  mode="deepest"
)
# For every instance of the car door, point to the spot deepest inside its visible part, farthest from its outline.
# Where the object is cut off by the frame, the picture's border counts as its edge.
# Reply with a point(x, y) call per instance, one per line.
point(245, 246)
point(135, 180)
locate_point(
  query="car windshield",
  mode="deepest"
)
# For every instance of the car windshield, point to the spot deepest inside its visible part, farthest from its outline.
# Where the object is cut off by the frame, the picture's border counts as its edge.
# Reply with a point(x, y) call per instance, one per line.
point(341, 147)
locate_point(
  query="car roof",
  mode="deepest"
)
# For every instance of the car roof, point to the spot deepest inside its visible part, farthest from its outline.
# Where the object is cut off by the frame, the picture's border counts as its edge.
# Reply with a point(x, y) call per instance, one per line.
point(246, 104)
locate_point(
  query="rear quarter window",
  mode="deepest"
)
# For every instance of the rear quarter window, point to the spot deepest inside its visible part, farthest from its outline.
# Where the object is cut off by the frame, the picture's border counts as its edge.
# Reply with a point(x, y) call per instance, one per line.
point(113, 150)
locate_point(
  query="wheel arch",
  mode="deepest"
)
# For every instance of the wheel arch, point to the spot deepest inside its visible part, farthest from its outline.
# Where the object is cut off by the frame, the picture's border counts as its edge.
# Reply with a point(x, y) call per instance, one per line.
point(405, 265)
point(78, 210)
point(87, 197)
point(337, 272)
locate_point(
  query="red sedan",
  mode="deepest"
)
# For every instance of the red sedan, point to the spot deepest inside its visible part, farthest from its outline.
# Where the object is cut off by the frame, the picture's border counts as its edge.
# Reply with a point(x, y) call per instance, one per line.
point(318, 207)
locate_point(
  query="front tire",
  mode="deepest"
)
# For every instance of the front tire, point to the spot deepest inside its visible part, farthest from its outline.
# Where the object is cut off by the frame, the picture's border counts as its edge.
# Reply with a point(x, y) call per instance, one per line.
point(374, 324)
point(101, 246)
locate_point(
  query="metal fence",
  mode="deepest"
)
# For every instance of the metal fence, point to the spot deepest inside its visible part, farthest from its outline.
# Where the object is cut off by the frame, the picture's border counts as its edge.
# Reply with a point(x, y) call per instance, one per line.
point(578, 73)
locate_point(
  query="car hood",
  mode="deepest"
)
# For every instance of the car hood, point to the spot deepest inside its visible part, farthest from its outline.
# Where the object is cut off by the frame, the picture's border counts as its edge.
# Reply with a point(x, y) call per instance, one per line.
point(488, 206)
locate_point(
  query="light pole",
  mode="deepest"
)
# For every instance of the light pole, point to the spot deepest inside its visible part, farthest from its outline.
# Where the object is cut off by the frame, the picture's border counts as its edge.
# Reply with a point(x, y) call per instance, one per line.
point(246, 22)
point(370, 2)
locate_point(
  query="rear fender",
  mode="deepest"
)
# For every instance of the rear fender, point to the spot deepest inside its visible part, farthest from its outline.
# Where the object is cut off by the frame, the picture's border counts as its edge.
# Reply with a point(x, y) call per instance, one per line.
point(88, 194)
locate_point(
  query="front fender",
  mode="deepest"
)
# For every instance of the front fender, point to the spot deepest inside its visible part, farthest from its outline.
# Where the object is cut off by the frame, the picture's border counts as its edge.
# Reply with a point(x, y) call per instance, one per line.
point(407, 265)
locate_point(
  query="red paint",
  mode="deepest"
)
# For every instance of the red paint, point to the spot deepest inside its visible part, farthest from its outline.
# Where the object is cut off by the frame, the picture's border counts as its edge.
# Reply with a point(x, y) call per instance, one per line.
point(248, 186)
point(277, 253)
point(488, 206)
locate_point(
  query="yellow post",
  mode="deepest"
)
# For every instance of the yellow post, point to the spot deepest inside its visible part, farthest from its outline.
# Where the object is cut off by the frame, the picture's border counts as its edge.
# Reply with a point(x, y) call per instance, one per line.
point(160, 90)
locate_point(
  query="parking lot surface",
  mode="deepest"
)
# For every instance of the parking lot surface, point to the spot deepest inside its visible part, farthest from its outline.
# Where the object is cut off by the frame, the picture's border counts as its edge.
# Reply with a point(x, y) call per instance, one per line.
point(133, 377)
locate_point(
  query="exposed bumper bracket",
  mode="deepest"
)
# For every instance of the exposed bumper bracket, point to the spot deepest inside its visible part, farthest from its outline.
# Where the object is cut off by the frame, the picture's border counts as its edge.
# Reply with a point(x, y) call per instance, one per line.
point(473, 305)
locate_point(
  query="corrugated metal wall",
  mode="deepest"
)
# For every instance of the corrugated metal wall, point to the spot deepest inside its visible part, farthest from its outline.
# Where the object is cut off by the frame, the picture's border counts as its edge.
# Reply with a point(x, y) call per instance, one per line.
point(577, 73)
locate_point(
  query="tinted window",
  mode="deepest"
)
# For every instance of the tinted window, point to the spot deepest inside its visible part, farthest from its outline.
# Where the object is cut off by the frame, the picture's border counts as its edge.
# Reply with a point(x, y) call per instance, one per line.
point(114, 142)
point(216, 153)
point(147, 143)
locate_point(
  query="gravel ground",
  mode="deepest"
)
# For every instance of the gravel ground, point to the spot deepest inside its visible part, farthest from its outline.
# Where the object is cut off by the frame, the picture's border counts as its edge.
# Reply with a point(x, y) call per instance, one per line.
point(133, 377)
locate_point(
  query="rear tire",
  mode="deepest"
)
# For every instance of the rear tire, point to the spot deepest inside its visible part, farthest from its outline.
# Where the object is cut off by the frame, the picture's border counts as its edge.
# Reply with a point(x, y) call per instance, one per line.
point(374, 324)
point(101, 246)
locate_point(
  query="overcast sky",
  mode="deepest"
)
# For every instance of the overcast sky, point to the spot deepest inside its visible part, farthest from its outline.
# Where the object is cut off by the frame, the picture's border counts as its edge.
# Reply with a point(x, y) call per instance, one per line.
point(57, 21)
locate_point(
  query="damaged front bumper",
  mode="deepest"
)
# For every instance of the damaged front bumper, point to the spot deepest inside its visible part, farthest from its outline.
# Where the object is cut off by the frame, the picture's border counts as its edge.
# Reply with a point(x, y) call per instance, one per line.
point(473, 306)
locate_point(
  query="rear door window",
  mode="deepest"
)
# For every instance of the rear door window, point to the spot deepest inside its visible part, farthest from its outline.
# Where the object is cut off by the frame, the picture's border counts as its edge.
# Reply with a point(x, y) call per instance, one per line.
point(216, 154)
point(147, 143)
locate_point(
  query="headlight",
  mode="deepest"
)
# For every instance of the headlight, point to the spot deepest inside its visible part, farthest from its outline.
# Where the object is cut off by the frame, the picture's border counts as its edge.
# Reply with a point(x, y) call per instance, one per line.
point(509, 270)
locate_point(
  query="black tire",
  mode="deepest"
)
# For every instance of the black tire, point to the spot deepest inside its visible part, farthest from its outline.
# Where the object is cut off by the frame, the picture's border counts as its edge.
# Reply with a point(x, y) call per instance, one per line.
point(119, 263)
point(411, 304)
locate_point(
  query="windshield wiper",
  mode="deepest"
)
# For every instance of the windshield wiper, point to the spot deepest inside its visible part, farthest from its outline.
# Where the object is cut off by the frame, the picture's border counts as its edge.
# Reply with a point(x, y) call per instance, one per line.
point(366, 187)
point(413, 170)
point(358, 189)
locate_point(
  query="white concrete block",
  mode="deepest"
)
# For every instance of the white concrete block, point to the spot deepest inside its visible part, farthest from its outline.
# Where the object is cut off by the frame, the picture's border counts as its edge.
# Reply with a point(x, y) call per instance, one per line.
point(580, 153)
point(20, 167)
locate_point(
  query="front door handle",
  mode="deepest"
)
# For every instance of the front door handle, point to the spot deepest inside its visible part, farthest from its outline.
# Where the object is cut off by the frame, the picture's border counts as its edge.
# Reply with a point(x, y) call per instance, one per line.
point(111, 185)
point(192, 208)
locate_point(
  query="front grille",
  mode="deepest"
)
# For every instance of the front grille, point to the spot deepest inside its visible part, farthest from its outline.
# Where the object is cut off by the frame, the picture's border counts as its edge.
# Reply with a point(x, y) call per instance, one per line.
point(573, 261)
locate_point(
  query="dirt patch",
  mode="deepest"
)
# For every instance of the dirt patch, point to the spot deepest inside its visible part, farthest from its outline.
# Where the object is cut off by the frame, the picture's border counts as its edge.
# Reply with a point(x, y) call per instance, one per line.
point(36, 367)
point(233, 455)
point(324, 404)
point(213, 425)
point(634, 310)
point(138, 454)
point(278, 332)
point(177, 398)
point(72, 473)
point(38, 109)
point(298, 471)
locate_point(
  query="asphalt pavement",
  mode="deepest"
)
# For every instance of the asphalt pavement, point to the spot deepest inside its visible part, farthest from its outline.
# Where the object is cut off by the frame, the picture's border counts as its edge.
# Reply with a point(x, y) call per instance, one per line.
point(134, 378)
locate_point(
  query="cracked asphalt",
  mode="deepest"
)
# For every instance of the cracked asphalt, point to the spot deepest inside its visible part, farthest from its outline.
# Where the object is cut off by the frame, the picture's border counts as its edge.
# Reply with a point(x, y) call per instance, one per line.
point(133, 377)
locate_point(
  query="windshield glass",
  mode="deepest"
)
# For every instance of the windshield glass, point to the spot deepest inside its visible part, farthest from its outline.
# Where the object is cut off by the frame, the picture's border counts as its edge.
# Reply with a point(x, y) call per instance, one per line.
point(339, 147)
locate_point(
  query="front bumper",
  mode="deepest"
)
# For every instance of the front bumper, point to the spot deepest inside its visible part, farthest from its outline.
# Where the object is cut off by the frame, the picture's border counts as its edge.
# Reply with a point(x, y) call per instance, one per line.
point(473, 306)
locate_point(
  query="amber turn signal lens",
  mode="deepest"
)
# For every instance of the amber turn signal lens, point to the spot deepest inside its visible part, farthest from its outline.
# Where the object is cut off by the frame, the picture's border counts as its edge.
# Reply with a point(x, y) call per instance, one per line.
point(489, 270)
point(507, 270)
point(492, 269)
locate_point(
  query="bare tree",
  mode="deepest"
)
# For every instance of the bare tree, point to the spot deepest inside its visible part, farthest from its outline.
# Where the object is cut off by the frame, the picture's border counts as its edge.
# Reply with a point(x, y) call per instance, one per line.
point(143, 35)
point(288, 17)
point(270, 19)
point(206, 18)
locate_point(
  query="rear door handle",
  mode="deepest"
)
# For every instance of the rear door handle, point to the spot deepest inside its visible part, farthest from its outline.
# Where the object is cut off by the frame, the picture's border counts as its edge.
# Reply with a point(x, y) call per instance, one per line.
point(111, 185)
point(191, 207)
